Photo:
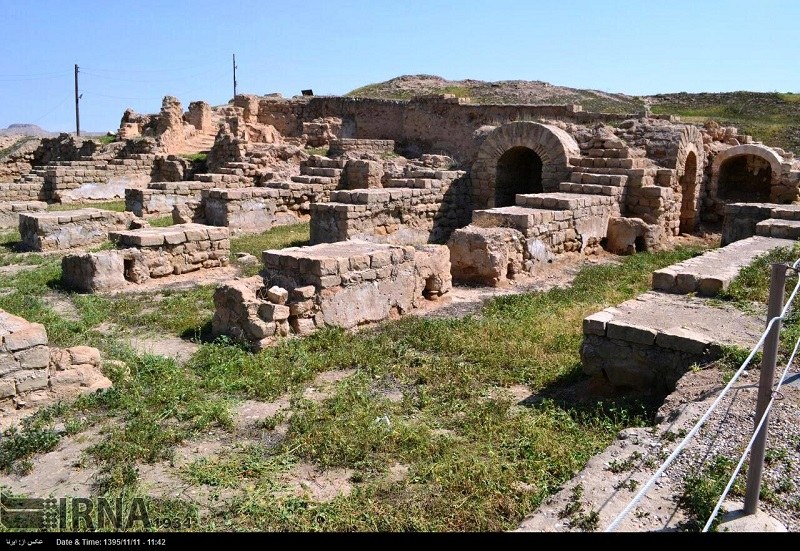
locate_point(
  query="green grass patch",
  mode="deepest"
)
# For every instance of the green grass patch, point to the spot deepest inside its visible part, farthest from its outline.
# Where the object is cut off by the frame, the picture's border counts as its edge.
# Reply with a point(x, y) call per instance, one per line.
point(105, 140)
point(116, 206)
point(466, 448)
point(161, 222)
point(195, 157)
point(279, 237)
point(702, 489)
point(323, 151)
point(769, 117)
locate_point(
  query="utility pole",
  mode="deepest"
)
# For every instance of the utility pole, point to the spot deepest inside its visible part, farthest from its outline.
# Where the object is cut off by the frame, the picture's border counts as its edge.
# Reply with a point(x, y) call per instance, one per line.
point(77, 105)
point(234, 75)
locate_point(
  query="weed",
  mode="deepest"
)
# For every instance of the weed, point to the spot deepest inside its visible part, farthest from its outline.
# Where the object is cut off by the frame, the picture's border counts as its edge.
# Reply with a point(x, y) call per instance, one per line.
point(161, 222)
point(116, 206)
point(626, 464)
point(702, 489)
point(628, 484)
point(195, 157)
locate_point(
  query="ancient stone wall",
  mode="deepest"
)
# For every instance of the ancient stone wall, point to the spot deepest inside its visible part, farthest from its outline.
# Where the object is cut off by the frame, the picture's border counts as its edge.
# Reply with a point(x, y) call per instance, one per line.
point(159, 198)
point(259, 209)
point(157, 252)
point(56, 231)
point(61, 178)
point(362, 174)
point(339, 284)
point(32, 373)
point(19, 160)
point(375, 147)
point(438, 124)
point(413, 210)
point(10, 211)
point(199, 116)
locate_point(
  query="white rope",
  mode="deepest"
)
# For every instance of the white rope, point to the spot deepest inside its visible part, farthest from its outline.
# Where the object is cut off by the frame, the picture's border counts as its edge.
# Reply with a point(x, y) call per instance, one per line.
point(679, 448)
point(752, 439)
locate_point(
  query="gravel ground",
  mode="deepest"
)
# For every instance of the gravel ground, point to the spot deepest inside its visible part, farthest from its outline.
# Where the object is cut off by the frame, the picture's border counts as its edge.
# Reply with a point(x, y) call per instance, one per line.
point(611, 479)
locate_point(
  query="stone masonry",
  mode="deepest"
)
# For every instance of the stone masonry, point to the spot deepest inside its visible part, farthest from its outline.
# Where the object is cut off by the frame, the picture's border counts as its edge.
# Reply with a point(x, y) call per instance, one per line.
point(32, 373)
point(341, 284)
point(160, 198)
point(57, 231)
point(422, 209)
point(145, 254)
point(9, 212)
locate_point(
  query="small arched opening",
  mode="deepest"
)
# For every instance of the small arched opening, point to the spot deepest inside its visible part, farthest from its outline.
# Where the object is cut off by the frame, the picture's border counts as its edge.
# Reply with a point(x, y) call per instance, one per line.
point(688, 184)
point(519, 170)
point(745, 178)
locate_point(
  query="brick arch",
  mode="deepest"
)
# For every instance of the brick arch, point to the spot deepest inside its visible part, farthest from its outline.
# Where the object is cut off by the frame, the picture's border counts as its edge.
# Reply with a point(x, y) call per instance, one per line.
point(761, 151)
point(690, 148)
point(553, 146)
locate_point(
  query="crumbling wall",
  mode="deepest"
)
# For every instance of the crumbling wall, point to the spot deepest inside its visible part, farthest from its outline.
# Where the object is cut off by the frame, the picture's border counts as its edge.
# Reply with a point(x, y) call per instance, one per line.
point(340, 284)
point(413, 210)
point(55, 231)
point(259, 209)
point(32, 373)
point(10, 211)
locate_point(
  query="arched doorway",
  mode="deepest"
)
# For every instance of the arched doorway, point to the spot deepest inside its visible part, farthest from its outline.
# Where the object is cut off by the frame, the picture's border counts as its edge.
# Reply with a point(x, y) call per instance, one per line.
point(519, 170)
point(688, 184)
point(745, 178)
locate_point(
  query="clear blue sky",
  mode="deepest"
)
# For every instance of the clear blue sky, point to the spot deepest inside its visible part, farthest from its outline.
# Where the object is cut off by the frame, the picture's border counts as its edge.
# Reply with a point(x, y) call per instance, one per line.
point(132, 53)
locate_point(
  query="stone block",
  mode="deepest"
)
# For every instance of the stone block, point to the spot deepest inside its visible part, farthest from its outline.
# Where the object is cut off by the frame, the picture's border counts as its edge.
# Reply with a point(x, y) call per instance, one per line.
point(277, 295)
point(32, 335)
point(628, 332)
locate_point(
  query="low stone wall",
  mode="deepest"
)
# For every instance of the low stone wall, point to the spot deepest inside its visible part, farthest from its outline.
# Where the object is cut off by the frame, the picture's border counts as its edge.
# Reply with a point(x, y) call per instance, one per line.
point(741, 219)
point(57, 231)
point(147, 253)
point(421, 209)
point(345, 145)
point(341, 285)
point(654, 205)
point(488, 256)
point(160, 198)
point(32, 373)
point(23, 191)
point(362, 174)
point(649, 342)
point(63, 176)
point(9, 212)
point(259, 209)
point(158, 252)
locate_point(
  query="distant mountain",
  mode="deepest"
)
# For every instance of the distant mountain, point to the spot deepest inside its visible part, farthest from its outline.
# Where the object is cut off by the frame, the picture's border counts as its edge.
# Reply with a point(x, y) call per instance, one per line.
point(26, 130)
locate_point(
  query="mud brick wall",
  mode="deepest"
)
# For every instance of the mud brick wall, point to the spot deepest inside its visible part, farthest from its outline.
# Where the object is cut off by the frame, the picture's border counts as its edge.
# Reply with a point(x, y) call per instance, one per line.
point(429, 208)
point(159, 198)
point(258, 209)
point(31, 372)
point(9, 212)
point(158, 252)
point(345, 145)
point(339, 284)
point(57, 231)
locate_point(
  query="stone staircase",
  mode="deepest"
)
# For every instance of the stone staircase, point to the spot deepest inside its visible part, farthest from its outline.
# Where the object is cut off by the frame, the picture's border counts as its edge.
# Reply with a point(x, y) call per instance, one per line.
point(321, 170)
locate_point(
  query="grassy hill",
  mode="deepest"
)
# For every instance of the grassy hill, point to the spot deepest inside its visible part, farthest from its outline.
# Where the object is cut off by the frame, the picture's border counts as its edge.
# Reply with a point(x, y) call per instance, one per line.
point(773, 118)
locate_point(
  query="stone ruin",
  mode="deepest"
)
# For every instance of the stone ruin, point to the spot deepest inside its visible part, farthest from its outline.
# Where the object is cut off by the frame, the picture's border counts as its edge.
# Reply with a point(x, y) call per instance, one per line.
point(147, 253)
point(32, 373)
point(342, 284)
point(504, 187)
